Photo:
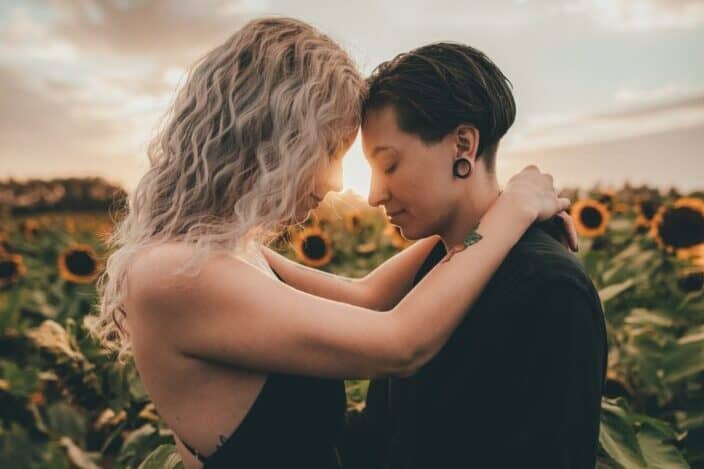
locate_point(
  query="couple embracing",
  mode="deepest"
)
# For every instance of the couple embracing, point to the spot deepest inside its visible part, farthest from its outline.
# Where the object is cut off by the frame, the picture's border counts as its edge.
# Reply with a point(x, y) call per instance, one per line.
point(484, 340)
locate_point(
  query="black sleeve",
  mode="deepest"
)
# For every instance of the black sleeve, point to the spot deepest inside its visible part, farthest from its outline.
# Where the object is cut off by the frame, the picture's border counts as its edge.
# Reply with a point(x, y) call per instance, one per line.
point(554, 415)
point(364, 439)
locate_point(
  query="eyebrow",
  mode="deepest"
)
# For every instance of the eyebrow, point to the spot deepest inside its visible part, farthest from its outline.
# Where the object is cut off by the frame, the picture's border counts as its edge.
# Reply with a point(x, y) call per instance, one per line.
point(379, 149)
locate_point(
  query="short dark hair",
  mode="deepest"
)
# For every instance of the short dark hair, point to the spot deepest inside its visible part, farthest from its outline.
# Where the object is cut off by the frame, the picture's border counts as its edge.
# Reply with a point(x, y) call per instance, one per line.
point(437, 87)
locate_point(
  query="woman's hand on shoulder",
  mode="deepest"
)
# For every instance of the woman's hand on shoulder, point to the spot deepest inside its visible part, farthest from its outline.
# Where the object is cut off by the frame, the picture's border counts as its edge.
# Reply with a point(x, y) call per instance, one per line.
point(535, 192)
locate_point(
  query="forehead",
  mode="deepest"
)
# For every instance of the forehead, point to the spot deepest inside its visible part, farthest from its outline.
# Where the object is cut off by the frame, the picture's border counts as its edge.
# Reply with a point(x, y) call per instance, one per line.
point(380, 129)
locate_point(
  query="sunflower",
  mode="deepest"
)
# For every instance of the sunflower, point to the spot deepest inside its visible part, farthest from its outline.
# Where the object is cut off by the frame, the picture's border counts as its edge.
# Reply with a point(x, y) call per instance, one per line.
point(366, 248)
point(353, 221)
point(607, 197)
point(312, 247)
point(11, 268)
point(680, 228)
point(393, 232)
point(30, 229)
point(79, 264)
point(325, 224)
point(313, 220)
point(591, 217)
point(645, 211)
point(620, 207)
point(617, 385)
point(691, 280)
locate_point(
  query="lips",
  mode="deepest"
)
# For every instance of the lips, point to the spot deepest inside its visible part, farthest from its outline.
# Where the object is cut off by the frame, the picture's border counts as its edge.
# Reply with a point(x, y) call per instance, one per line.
point(394, 214)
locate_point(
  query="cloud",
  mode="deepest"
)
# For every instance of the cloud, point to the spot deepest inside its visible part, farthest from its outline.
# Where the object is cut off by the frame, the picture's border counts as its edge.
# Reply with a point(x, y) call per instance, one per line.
point(642, 113)
point(656, 141)
point(83, 83)
point(641, 15)
point(166, 31)
point(50, 134)
point(665, 159)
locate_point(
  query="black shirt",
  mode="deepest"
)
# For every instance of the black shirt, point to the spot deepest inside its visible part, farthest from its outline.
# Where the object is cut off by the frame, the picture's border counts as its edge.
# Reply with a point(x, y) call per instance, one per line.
point(518, 384)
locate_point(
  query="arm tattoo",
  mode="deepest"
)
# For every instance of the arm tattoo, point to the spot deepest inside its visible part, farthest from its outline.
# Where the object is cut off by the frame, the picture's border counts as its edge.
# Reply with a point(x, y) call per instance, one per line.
point(471, 238)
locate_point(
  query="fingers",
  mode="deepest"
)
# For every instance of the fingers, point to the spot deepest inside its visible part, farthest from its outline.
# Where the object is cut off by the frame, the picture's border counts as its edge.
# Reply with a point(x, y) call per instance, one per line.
point(549, 177)
point(570, 230)
point(563, 203)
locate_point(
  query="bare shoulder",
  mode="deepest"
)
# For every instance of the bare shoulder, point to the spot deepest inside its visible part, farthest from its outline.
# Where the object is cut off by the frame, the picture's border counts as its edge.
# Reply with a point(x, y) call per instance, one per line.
point(156, 282)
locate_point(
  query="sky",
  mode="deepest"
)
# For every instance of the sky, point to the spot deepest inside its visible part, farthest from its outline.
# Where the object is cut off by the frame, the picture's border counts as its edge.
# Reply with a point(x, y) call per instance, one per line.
point(607, 90)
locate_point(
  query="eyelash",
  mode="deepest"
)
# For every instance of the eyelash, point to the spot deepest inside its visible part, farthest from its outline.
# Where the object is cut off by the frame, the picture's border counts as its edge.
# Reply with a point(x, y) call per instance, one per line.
point(390, 169)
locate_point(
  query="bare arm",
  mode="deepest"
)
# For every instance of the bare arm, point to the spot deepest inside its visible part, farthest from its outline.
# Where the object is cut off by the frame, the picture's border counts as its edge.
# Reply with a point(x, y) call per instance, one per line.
point(235, 314)
point(380, 289)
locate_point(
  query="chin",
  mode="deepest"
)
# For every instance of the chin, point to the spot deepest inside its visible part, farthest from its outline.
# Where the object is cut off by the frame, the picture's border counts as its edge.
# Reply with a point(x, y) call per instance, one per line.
point(407, 232)
point(413, 233)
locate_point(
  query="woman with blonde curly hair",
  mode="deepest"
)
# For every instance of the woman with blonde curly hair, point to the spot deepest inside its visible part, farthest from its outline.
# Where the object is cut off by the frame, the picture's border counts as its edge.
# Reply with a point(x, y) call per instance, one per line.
point(246, 370)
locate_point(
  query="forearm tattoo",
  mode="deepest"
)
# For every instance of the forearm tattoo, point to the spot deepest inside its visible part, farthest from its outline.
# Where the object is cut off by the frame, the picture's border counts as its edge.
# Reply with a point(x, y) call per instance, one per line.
point(471, 238)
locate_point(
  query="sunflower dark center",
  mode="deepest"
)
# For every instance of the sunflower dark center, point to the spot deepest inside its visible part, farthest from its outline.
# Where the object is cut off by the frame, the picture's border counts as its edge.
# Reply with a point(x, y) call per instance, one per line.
point(591, 217)
point(615, 388)
point(691, 282)
point(682, 227)
point(8, 269)
point(648, 208)
point(80, 263)
point(314, 247)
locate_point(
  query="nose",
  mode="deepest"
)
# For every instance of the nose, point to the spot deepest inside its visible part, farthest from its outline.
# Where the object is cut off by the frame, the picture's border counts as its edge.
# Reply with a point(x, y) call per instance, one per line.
point(377, 192)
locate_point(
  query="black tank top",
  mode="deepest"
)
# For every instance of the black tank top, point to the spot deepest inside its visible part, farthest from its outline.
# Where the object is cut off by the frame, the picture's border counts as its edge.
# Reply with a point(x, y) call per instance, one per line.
point(294, 422)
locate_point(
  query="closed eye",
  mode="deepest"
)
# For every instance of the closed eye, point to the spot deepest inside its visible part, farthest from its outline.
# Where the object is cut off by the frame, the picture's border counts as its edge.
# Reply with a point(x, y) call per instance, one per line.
point(390, 169)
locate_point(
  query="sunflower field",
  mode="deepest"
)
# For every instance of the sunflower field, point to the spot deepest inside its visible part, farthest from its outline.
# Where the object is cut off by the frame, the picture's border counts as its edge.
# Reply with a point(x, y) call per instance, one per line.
point(63, 402)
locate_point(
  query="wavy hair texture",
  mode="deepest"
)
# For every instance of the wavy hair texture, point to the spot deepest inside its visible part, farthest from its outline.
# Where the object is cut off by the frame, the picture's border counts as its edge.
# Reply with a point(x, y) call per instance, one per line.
point(236, 153)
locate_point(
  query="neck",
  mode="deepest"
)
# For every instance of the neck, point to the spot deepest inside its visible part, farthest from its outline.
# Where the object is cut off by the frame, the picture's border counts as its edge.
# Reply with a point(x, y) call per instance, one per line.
point(473, 204)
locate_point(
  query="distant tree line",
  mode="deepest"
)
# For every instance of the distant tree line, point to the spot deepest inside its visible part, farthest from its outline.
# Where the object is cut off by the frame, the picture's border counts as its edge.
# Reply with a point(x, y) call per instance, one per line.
point(56, 195)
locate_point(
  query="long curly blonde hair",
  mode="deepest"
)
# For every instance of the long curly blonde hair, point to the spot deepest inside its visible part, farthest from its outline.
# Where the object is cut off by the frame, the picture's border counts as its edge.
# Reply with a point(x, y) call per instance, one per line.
point(236, 154)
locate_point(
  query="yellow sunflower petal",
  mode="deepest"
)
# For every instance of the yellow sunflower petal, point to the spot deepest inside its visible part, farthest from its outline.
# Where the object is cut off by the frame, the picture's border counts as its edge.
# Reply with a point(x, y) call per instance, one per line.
point(591, 217)
point(679, 228)
point(79, 264)
point(312, 247)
